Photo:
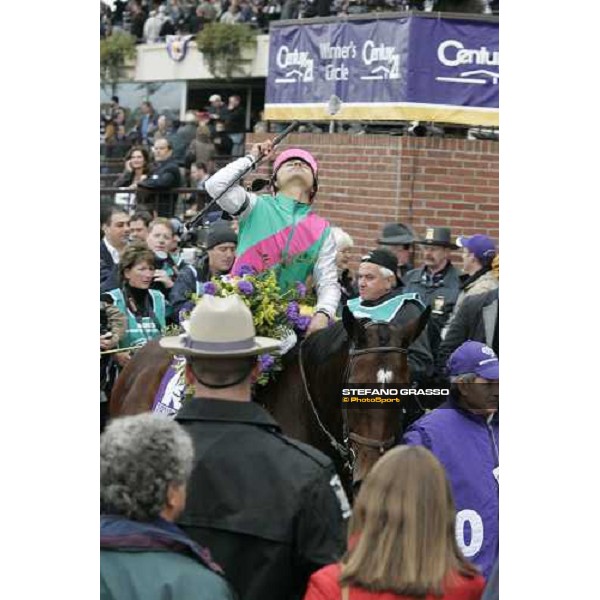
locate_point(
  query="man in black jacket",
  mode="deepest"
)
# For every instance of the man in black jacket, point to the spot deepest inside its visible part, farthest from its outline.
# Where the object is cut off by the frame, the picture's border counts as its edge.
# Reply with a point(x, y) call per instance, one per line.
point(221, 244)
point(115, 227)
point(477, 319)
point(270, 509)
point(400, 240)
point(437, 282)
point(165, 176)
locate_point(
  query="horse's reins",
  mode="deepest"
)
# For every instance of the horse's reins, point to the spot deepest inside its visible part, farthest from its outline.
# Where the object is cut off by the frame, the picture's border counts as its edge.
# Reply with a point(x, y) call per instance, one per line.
point(345, 451)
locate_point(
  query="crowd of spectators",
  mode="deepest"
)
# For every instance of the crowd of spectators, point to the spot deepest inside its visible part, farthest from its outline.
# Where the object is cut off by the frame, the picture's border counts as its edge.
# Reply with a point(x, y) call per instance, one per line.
point(201, 137)
point(151, 20)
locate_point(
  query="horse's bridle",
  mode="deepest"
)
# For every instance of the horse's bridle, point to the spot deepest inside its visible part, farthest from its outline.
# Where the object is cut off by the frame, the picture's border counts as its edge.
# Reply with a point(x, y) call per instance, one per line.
point(345, 450)
point(381, 445)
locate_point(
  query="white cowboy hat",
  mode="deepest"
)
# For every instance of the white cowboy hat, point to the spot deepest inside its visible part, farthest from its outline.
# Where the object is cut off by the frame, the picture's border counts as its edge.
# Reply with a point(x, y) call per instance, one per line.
point(220, 327)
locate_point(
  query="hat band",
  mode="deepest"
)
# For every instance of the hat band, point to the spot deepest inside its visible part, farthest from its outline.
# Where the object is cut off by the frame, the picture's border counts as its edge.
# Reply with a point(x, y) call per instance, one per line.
point(246, 344)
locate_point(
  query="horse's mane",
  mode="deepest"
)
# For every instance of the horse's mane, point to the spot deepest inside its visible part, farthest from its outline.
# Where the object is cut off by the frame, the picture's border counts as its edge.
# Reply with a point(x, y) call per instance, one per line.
point(322, 344)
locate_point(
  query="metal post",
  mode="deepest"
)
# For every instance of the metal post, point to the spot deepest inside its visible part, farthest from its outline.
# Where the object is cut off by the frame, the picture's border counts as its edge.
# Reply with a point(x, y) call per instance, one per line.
point(248, 108)
point(183, 103)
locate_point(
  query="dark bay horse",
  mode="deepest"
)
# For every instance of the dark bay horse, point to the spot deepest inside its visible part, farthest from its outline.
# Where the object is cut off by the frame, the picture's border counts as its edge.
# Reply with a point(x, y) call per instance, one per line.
point(305, 398)
point(353, 351)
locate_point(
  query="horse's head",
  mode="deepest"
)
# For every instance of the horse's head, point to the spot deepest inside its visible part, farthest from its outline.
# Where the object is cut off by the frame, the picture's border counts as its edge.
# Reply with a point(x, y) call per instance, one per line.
point(378, 354)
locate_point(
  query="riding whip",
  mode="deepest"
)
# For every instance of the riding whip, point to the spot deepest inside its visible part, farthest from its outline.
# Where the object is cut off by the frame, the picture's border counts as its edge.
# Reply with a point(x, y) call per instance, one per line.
point(198, 219)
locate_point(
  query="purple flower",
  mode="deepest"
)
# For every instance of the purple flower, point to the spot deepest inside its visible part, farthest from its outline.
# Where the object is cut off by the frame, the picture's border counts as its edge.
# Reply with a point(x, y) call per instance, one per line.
point(185, 310)
point(209, 288)
point(293, 310)
point(301, 289)
point(246, 270)
point(265, 362)
point(302, 323)
point(245, 287)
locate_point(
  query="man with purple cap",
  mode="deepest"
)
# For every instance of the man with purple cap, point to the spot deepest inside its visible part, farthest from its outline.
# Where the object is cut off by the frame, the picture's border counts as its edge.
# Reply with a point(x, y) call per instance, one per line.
point(478, 253)
point(281, 231)
point(463, 433)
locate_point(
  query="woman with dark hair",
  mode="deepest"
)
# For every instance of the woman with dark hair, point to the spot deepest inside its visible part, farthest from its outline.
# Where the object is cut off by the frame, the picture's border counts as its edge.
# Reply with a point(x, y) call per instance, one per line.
point(401, 542)
point(137, 167)
point(145, 462)
point(144, 308)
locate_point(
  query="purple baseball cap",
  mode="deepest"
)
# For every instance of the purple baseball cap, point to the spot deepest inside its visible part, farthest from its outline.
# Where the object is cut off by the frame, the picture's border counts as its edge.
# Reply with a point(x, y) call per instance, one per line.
point(474, 357)
point(480, 245)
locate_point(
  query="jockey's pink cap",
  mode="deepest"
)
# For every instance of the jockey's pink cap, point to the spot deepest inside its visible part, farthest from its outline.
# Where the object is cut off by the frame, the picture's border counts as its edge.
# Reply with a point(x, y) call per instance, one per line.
point(286, 155)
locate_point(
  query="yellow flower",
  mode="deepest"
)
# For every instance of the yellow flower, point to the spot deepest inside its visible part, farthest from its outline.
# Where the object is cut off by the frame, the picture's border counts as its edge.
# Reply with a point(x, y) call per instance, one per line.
point(307, 311)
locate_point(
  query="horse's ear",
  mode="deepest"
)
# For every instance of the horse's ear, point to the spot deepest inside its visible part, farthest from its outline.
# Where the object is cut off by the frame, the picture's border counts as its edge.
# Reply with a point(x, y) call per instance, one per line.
point(414, 328)
point(354, 327)
point(348, 320)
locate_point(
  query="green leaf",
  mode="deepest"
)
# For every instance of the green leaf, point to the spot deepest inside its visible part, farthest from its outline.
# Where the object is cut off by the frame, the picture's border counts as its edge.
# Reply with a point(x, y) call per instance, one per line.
point(222, 45)
point(115, 51)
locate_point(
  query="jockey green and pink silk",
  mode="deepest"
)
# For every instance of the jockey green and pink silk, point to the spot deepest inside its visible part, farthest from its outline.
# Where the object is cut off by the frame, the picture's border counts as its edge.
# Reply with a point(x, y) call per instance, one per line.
point(282, 234)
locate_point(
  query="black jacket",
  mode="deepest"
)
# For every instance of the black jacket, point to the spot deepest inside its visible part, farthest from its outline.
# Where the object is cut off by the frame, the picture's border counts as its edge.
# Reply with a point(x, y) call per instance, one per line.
point(107, 264)
point(440, 292)
point(185, 285)
point(477, 320)
point(165, 176)
point(268, 507)
point(235, 121)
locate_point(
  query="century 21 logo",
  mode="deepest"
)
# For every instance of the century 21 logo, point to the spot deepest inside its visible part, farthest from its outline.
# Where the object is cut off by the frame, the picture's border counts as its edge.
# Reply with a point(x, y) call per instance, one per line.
point(300, 63)
point(452, 53)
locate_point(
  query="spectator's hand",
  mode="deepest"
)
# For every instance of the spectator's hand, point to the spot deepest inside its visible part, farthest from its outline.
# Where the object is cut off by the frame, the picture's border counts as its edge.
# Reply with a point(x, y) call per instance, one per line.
point(142, 177)
point(319, 321)
point(122, 358)
point(128, 166)
point(264, 149)
point(108, 341)
point(161, 276)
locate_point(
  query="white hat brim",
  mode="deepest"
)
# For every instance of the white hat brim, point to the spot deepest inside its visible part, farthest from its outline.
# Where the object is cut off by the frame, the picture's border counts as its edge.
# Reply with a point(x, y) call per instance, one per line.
point(175, 344)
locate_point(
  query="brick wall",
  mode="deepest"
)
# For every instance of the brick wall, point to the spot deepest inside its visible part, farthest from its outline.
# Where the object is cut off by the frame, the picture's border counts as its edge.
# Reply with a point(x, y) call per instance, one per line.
point(369, 180)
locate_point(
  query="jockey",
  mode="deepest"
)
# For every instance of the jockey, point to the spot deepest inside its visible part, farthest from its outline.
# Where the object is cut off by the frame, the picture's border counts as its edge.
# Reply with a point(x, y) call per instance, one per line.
point(281, 231)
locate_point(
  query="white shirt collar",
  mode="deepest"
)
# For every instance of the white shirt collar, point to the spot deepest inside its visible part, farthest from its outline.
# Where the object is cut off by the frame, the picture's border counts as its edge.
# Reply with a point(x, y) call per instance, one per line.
point(113, 251)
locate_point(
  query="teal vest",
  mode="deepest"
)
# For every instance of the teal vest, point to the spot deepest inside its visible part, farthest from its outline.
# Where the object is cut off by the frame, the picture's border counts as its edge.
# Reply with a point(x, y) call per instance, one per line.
point(386, 311)
point(141, 330)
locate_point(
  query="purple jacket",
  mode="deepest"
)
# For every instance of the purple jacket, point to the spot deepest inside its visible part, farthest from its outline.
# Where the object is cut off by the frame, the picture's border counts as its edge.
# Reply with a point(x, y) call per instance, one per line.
point(467, 445)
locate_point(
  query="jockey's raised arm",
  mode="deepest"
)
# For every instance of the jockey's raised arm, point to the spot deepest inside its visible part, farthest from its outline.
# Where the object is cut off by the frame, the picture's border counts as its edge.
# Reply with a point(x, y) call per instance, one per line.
point(281, 231)
point(237, 196)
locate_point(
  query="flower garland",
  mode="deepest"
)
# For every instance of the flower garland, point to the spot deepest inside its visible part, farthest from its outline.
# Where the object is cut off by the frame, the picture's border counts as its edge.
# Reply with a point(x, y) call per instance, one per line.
point(275, 315)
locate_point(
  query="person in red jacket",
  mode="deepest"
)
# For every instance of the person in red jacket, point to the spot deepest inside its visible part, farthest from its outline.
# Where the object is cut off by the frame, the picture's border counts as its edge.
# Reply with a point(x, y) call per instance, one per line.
point(401, 538)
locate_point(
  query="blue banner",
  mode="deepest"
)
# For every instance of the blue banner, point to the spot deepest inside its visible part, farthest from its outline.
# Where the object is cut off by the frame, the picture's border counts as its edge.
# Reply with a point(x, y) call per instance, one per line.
point(398, 68)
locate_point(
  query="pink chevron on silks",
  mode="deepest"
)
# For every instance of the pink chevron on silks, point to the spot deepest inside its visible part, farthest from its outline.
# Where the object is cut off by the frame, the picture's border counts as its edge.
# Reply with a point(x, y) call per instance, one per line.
point(267, 252)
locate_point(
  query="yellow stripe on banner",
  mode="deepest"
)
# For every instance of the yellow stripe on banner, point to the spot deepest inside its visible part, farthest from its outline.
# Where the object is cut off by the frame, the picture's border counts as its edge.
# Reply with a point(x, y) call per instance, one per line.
point(459, 115)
